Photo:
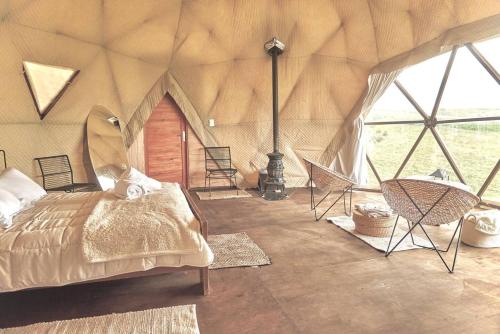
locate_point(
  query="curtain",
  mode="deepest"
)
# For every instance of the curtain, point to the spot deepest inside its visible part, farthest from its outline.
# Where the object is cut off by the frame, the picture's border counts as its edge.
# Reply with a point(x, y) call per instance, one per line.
point(351, 158)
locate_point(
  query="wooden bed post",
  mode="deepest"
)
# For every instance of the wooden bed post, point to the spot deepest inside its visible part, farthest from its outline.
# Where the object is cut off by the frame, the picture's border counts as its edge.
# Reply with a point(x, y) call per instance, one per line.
point(204, 276)
point(205, 281)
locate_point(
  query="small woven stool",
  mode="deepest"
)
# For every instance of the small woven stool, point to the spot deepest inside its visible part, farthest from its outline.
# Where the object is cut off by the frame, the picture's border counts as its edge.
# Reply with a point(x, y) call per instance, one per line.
point(373, 226)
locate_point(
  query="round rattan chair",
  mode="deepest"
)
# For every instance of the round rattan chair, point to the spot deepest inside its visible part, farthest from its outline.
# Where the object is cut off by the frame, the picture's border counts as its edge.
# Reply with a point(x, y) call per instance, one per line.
point(423, 202)
point(330, 182)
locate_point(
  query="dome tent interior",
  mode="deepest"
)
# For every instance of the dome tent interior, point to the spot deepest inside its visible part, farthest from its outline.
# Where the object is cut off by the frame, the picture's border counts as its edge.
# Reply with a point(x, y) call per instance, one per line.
point(181, 76)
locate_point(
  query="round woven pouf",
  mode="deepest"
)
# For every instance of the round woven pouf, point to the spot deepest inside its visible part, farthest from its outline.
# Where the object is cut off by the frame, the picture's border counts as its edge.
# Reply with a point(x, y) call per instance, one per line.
point(375, 227)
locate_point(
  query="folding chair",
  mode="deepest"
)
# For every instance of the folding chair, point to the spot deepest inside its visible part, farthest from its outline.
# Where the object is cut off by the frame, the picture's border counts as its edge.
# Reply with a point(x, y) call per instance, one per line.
point(423, 202)
point(326, 179)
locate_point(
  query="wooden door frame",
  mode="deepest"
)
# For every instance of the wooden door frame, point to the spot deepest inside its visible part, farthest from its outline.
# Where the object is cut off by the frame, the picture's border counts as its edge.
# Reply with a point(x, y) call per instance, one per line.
point(184, 145)
point(184, 142)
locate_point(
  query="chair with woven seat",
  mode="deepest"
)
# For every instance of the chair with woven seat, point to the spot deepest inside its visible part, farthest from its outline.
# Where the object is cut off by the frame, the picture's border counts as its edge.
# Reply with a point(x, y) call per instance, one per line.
point(330, 181)
point(218, 165)
point(424, 202)
point(57, 175)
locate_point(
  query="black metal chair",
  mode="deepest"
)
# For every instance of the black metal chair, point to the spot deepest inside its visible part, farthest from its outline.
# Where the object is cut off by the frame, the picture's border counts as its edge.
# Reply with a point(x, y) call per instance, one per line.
point(57, 175)
point(218, 165)
point(4, 159)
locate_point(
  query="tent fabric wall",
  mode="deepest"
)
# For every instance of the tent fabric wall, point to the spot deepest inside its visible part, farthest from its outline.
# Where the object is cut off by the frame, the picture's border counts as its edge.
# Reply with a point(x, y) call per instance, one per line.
point(209, 56)
point(351, 158)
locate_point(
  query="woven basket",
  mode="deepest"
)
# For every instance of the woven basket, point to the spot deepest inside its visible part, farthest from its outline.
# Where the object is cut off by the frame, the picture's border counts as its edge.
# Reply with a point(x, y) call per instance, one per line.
point(375, 227)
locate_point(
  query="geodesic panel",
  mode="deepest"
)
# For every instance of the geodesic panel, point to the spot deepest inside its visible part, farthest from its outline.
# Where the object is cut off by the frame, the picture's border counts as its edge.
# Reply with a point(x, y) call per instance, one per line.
point(209, 55)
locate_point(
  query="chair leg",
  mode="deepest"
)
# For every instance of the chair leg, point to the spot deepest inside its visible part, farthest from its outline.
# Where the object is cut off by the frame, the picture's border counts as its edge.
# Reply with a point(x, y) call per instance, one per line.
point(311, 186)
point(434, 248)
point(210, 186)
point(411, 234)
point(312, 194)
point(236, 186)
point(438, 252)
point(205, 281)
point(331, 206)
point(345, 209)
point(461, 223)
point(406, 234)
point(392, 235)
point(350, 202)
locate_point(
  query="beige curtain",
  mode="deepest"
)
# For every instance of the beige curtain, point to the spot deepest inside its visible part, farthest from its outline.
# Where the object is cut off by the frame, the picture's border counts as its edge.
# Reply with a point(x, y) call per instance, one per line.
point(351, 158)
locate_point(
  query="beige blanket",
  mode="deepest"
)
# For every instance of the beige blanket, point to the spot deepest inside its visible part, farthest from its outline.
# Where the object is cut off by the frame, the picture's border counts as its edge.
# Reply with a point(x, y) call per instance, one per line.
point(158, 223)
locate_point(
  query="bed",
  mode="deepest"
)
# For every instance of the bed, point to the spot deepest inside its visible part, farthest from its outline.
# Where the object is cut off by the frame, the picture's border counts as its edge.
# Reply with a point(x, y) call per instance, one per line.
point(43, 247)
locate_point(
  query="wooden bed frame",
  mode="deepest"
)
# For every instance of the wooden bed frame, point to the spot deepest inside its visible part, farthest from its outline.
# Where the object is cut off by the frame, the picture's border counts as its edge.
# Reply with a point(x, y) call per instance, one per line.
point(204, 277)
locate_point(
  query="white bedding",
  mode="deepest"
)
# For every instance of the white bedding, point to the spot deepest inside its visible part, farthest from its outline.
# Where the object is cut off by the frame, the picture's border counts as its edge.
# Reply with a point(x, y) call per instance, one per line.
point(43, 247)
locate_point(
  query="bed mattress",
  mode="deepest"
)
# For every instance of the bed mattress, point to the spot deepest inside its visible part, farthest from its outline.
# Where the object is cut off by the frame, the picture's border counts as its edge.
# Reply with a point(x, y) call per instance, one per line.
point(43, 247)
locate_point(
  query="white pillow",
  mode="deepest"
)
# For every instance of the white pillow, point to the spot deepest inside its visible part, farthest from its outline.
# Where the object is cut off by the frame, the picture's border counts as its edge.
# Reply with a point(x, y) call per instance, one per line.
point(132, 175)
point(9, 205)
point(25, 189)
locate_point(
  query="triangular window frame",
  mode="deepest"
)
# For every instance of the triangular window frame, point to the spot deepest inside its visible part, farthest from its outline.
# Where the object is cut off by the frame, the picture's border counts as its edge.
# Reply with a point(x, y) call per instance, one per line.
point(42, 113)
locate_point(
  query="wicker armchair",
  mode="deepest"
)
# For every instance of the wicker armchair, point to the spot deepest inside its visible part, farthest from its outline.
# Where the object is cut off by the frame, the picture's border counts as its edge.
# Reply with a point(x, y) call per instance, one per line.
point(423, 202)
point(330, 181)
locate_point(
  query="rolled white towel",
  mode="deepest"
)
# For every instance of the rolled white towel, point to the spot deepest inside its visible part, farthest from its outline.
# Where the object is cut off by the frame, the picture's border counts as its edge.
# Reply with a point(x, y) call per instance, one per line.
point(128, 190)
point(148, 184)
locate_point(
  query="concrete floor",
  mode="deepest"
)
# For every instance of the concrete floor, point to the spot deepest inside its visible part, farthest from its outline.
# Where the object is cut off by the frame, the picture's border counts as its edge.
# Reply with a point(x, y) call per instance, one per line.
point(322, 280)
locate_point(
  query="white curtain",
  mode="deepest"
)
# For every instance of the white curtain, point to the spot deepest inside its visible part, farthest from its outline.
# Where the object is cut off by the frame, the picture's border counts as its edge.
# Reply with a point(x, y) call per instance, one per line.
point(351, 158)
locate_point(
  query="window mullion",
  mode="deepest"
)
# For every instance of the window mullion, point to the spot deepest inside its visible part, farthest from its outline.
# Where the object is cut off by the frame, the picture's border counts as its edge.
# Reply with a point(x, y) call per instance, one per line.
point(484, 62)
point(443, 82)
point(372, 166)
point(410, 98)
point(447, 154)
point(410, 153)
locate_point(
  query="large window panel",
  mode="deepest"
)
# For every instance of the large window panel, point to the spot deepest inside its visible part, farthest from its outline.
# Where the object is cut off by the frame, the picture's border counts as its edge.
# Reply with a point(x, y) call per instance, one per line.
point(393, 106)
point(372, 179)
point(492, 193)
point(427, 158)
point(490, 49)
point(475, 147)
point(389, 145)
point(470, 90)
point(463, 137)
point(423, 80)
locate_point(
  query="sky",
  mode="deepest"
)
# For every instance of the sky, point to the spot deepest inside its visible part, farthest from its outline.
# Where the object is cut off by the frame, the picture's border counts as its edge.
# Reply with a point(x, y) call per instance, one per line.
point(468, 86)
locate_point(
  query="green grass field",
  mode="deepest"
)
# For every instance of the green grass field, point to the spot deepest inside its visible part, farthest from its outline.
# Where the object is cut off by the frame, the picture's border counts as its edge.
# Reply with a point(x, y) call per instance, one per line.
point(474, 146)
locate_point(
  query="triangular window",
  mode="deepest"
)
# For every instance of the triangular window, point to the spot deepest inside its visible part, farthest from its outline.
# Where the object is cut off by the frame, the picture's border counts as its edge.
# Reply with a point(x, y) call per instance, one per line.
point(427, 158)
point(47, 84)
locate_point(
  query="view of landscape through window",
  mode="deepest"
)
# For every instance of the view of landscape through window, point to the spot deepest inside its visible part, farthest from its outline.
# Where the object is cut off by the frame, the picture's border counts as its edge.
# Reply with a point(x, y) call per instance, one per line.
point(470, 92)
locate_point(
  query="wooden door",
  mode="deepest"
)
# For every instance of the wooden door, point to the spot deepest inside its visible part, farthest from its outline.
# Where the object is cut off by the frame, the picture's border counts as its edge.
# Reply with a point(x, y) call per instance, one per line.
point(165, 146)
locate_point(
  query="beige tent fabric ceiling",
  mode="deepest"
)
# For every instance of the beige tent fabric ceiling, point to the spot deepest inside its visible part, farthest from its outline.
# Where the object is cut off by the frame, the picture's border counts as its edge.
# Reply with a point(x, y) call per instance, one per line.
point(209, 56)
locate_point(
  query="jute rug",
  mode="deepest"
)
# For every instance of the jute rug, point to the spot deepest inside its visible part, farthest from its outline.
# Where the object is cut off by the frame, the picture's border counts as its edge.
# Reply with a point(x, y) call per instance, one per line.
point(236, 250)
point(347, 224)
point(168, 320)
point(222, 194)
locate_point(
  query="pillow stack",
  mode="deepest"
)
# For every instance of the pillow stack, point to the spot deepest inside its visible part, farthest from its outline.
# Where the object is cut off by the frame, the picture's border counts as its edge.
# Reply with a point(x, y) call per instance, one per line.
point(17, 192)
point(9, 206)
